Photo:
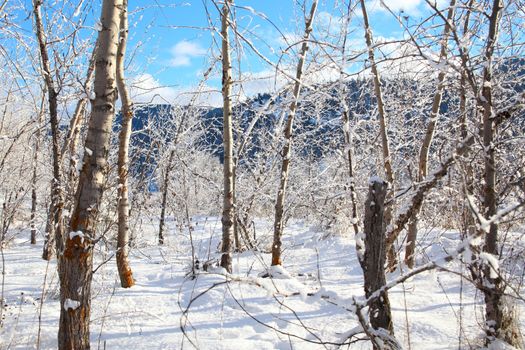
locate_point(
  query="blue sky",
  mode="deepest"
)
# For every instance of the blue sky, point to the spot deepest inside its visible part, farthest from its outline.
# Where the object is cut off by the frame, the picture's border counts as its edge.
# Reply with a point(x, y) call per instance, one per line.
point(173, 42)
point(176, 41)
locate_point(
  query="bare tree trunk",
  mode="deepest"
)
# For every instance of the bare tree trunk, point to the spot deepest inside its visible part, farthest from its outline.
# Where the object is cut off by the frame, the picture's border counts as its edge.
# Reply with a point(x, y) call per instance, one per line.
point(375, 256)
point(57, 201)
point(429, 135)
point(348, 143)
point(228, 215)
point(287, 149)
point(351, 182)
point(499, 316)
point(76, 267)
point(49, 236)
point(236, 236)
point(34, 178)
point(165, 190)
point(387, 160)
point(469, 223)
point(33, 195)
point(124, 271)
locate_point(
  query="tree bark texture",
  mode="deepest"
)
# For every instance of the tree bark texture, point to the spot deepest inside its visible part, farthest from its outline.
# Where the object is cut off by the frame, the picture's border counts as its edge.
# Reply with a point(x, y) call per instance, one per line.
point(375, 256)
point(228, 215)
point(75, 269)
point(429, 135)
point(383, 127)
point(124, 270)
point(287, 149)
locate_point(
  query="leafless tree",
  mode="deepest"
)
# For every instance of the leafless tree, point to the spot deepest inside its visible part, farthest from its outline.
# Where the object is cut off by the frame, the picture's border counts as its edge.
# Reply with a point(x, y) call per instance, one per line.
point(126, 278)
point(76, 264)
point(287, 149)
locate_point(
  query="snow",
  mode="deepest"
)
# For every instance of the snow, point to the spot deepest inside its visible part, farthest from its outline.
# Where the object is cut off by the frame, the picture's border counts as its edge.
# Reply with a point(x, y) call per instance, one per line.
point(318, 287)
point(78, 9)
point(74, 234)
point(70, 304)
point(492, 261)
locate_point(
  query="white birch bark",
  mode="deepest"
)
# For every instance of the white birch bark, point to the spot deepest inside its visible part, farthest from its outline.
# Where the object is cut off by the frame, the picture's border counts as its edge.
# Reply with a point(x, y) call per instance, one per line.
point(228, 215)
point(123, 205)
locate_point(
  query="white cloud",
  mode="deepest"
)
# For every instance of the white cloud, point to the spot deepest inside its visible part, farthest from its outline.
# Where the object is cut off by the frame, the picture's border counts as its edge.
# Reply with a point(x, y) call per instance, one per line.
point(146, 89)
point(184, 51)
point(328, 23)
point(410, 7)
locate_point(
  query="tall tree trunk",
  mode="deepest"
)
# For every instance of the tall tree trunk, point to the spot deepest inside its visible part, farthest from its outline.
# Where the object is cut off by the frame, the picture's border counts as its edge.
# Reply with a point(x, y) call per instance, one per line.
point(499, 317)
point(374, 258)
point(429, 135)
point(126, 277)
point(76, 266)
point(57, 201)
point(387, 160)
point(228, 215)
point(287, 149)
point(49, 235)
point(469, 223)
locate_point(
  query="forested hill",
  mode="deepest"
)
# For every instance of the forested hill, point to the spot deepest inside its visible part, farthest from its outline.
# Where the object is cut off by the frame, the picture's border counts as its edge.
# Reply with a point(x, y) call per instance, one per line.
point(318, 126)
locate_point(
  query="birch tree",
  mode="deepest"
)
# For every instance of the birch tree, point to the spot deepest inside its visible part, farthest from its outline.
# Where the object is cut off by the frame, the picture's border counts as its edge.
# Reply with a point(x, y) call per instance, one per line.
point(228, 214)
point(126, 277)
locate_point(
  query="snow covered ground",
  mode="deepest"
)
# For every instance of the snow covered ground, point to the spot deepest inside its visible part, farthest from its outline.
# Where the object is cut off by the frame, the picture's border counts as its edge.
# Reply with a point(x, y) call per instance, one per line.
point(305, 306)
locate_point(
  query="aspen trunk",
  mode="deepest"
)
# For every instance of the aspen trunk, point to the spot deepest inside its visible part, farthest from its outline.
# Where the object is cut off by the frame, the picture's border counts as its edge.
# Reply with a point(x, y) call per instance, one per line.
point(124, 270)
point(57, 202)
point(429, 135)
point(76, 266)
point(228, 215)
point(375, 256)
point(287, 149)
